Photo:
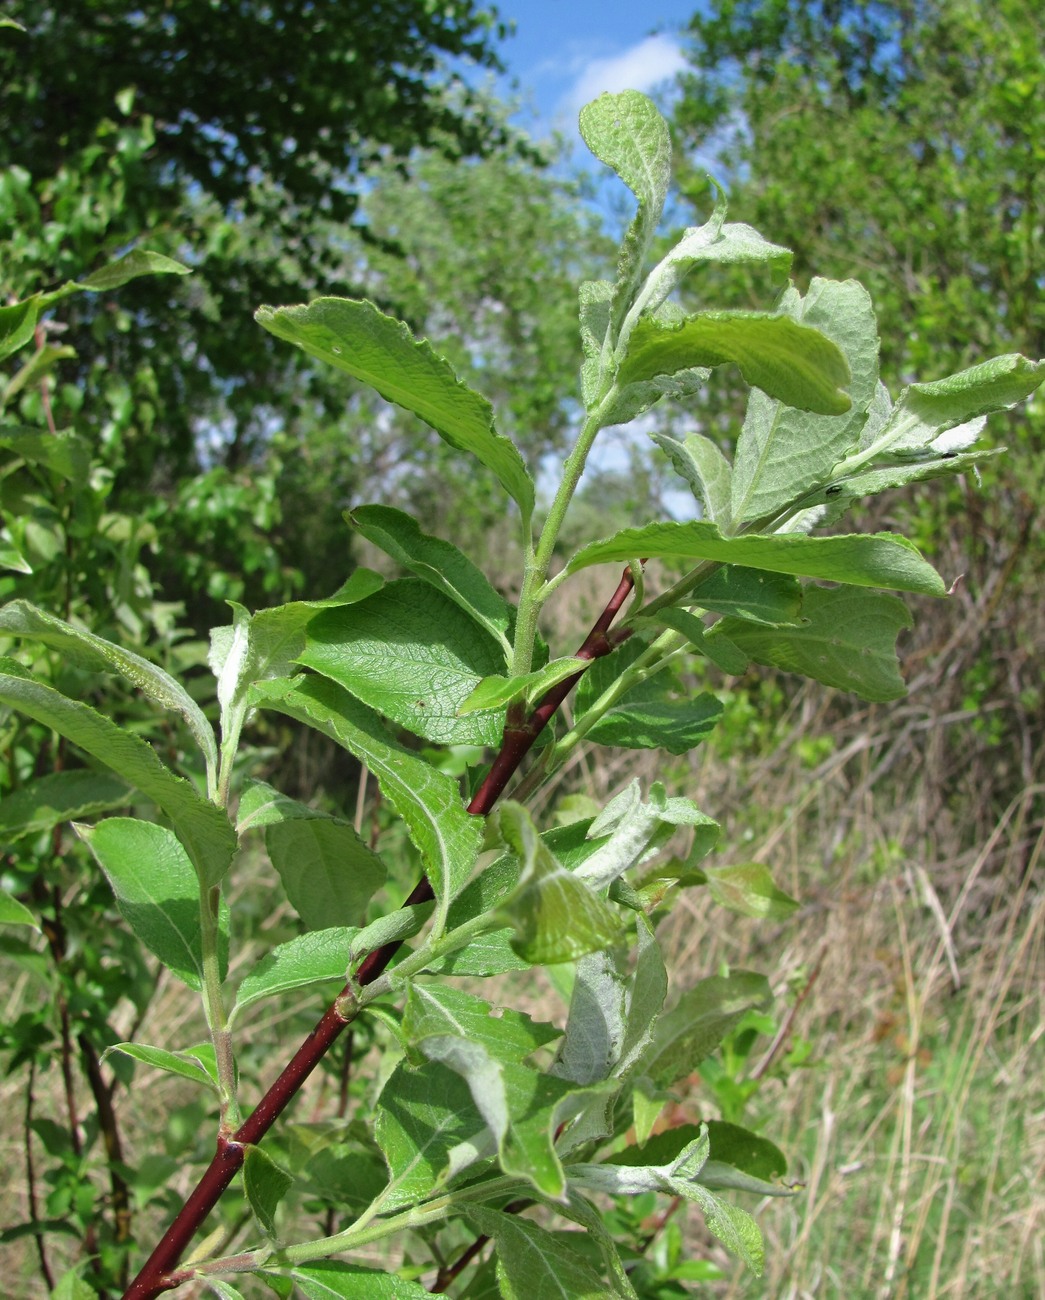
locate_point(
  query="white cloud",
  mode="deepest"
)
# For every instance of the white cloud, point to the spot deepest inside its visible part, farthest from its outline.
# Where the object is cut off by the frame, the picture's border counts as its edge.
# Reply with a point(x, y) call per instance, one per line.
point(641, 67)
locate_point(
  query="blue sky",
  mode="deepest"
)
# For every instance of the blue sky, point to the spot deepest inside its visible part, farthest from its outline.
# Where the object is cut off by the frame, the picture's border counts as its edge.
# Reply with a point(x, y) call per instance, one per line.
point(565, 52)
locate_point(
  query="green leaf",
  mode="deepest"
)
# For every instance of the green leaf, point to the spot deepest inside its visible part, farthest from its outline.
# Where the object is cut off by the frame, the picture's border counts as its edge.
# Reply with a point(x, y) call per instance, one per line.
point(428, 801)
point(924, 411)
point(649, 988)
point(41, 363)
point(59, 797)
point(595, 300)
point(201, 826)
point(437, 562)
point(646, 715)
point(556, 917)
point(137, 262)
point(703, 1017)
point(748, 889)
point(523, 1108)
point(744, 1161)
point(729, 243)
point(184, 1064)
point(328, 872)
point(440, 1010)
point(832, 501)
point(12, 912)
point(610, 1026)
point(265, 1184)
point(735, 1228)
point(410, 653)
point(626, 402)
point(627, 133)
point(313, 958)
point(12, 558)
point(865, 560)
point(71, 1286)
point(638, 831)
point(427, 1128)
point(223, 1290)
point(598, 1018)
point(490, 953)
point(762, 597)
point(719, 649)
point(535, 1264)
point(785, 360)
point(17, 324)
point(496, 692)
point(249, 655)
point(19, 618)
point(331, 1279)
point(847, 639)
point(157, 892)
point(675, 725)
point(781, 452)
point(380, 351)
point(63, 453)
point(393, 927)
point(706, 472)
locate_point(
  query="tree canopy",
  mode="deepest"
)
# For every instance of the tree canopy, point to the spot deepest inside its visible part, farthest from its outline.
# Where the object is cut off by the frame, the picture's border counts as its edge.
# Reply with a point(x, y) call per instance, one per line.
point(235, 138)
point(898, 141)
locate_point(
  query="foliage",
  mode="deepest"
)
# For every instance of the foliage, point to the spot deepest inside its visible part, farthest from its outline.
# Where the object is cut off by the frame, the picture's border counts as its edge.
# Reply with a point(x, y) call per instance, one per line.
point(87, 75)
point(898, 141)
point(472, 1118)
point(115, 136)
point(901, 143)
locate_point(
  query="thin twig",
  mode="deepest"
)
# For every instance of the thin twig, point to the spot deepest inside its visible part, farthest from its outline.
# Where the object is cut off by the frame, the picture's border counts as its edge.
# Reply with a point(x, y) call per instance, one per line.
point(788, 1023)
point(30, 1179)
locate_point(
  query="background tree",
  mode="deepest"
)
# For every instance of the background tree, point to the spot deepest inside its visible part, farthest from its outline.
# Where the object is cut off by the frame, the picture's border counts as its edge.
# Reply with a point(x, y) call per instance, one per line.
point(236, 139)
point(903, 143)
point(258, 186)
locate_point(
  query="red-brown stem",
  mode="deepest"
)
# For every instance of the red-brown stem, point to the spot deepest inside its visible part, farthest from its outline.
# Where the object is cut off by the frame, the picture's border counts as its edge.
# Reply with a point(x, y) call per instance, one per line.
point(155, 1276)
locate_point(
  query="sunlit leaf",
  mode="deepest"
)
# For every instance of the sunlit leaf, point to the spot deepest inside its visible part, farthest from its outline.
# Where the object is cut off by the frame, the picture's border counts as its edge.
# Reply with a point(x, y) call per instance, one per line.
point(183, 1064)
point(781, 452)
point(12, 912)
point(331, 1279)
point(787, 361)
point(435, 561)
point(317, 957)
point(19, 618)
point(157, 892)
point(535, 1264)
point(428, 801)
point(702, 1018)
point(627, 133)
point(201, 826)
point(555, 916)
point(137, 262)
point(358, 338)
point(265, 1184)
point(847, 639)
point(865, 559)
point(748, 889)
point(706, 473)
point(413, 655)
